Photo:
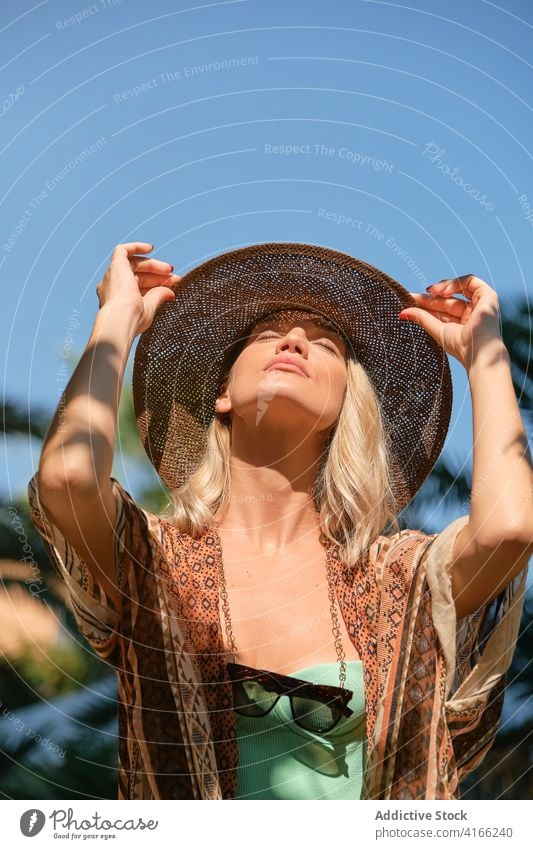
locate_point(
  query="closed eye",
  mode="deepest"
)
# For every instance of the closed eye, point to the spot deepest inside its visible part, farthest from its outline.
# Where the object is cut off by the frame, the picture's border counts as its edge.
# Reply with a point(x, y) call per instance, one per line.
point(325, 345)
point(328, 347)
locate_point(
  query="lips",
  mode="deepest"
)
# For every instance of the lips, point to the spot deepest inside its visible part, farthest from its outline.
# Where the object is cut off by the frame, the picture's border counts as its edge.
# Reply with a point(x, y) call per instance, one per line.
point(287, 364)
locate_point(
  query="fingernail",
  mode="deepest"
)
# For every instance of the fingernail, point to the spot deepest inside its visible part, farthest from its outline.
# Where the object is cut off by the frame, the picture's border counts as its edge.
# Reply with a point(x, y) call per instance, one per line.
point(429, 287)
point(402, 315)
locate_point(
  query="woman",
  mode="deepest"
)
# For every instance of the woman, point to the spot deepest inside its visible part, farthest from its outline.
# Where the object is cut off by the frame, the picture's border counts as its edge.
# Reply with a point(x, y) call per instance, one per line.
point(291, 415)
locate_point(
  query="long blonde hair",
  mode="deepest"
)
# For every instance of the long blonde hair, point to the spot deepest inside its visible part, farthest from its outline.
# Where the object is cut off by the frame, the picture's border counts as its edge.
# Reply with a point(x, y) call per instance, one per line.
point(352, 493)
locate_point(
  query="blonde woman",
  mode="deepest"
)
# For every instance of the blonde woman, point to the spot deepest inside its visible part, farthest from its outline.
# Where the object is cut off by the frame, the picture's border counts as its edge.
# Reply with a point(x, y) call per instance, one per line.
point(275, 635)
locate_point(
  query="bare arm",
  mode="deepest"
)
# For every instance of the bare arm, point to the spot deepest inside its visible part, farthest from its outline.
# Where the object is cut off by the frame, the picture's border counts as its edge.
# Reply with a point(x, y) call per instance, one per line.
point(76, 460)
point(497, 541)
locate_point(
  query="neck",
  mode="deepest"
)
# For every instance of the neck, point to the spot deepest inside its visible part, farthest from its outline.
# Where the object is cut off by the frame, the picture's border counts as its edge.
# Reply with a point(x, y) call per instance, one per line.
point(271, 478)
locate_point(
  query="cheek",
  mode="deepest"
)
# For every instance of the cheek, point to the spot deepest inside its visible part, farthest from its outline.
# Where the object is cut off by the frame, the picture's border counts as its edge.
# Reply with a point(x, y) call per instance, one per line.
point(244, 377)
point(339, 391)
point(333, 377)
point(246, 365)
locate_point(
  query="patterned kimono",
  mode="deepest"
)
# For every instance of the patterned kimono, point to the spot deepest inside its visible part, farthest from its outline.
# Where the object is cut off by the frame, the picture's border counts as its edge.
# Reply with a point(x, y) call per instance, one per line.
point(434, 686)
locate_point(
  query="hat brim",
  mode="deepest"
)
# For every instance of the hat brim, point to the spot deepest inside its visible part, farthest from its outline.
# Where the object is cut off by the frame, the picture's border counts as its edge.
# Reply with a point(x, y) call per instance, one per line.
point(180, 360)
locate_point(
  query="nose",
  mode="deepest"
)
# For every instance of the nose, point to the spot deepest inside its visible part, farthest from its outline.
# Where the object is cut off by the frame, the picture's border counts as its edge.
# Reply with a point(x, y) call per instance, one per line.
point(294, 340)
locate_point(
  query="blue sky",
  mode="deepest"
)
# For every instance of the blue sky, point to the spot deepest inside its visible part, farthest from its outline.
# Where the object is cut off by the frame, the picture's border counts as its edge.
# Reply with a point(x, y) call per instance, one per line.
point(201, 127)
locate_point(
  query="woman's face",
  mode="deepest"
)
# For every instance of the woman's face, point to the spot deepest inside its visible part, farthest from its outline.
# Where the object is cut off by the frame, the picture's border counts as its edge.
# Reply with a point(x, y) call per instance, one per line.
point(308, 390)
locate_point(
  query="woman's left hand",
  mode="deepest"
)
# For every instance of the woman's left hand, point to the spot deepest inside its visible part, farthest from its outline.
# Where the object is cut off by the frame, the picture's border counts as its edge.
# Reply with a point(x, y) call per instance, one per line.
point(461, 327)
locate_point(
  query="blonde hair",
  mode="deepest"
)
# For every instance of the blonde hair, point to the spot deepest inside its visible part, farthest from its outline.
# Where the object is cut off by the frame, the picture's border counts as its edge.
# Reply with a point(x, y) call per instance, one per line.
point(352, 493)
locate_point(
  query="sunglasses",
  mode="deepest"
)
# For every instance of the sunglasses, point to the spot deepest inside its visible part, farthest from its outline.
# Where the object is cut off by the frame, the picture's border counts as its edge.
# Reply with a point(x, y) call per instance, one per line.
point(315, 707)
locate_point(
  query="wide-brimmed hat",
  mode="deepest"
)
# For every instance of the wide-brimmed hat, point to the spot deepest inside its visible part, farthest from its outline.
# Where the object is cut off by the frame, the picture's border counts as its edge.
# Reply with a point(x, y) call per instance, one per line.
point(182, 358)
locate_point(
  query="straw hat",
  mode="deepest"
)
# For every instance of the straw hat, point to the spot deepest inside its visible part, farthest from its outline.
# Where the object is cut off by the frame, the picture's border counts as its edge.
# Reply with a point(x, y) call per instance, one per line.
point(181, 359)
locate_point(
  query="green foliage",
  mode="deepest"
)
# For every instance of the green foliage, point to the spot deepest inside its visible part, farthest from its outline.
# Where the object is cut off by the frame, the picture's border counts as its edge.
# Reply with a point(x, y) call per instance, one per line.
point(56, 671)
point(36, 674)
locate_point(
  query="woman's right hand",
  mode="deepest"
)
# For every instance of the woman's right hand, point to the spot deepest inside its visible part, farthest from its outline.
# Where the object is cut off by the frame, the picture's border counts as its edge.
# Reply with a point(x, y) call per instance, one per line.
point(137, 282)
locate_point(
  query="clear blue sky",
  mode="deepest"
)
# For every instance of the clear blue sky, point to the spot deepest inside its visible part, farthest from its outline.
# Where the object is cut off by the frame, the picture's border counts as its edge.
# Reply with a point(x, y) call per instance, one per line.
point(200, 127)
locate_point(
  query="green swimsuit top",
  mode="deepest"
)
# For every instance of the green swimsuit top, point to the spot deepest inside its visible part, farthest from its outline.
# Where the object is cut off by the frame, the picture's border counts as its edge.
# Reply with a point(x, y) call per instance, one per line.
point(280, 760)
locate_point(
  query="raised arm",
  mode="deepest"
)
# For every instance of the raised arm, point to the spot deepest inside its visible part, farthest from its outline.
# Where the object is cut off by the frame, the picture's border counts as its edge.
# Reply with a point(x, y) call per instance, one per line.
point(497, 541)
point(73, 479)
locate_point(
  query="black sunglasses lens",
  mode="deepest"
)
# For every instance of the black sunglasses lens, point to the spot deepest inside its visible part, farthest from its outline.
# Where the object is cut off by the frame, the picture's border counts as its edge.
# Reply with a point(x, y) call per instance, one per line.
point(315, 716)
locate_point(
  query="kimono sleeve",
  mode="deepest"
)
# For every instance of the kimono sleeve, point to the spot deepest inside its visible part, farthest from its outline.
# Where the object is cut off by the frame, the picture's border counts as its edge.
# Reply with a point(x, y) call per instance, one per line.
point(478, 649)
point(97, 617)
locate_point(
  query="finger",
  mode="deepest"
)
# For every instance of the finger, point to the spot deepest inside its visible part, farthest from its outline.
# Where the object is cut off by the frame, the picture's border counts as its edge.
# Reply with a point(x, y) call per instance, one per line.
point(158, 266)
point(465, 284)
point(155, 297)
point(434, 304)
point(430, 323)
point(148, 280)
point(121, 253)
point(127, 248)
